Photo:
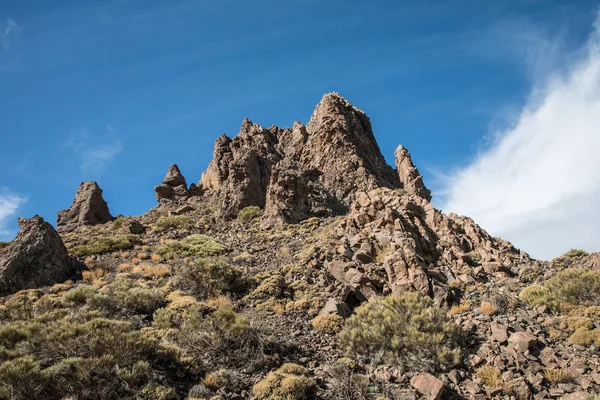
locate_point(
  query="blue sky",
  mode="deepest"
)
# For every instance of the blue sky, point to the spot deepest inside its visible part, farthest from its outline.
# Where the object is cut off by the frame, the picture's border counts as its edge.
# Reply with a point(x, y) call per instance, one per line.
point(116, 91)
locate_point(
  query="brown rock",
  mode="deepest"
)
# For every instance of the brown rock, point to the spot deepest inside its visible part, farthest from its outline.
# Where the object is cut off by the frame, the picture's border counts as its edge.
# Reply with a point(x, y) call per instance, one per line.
point(499, 333)
point(36, 257)
point(522, 341)
point(428, 385)
point(173, 186)
point(335, 306)
point(409, 175)
point(89, 208)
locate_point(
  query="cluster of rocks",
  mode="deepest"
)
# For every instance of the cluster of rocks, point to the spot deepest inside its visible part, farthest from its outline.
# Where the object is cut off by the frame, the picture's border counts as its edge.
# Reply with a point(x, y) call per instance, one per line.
point(174, 187)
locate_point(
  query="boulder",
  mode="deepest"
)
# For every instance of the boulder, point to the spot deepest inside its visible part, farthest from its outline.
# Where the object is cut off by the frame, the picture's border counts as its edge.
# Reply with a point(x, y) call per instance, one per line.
point(522, 341)
point(429, 386)
point(36, 257)
point(89, 208)
point(336, 306)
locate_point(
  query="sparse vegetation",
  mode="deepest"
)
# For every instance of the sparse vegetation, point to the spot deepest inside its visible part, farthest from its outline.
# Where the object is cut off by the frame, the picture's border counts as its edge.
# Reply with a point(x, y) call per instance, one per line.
point(489, 375)
point(408, 331)
point(249, 213)
point(328, 323)
point(104, 244)
point(192, 246)
point(210, 277)
point(558, 375)
point(178, 222)
point(290, 382)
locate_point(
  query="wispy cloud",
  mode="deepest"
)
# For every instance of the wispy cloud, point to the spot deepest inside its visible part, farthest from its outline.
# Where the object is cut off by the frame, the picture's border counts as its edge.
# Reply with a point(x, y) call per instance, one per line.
point(538, 184)
point(94, 151)
point(9, 204)
point(9, 31)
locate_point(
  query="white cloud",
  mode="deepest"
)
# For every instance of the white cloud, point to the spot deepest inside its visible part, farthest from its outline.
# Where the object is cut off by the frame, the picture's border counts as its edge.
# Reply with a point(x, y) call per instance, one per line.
point(9, 204)
point(538, 184)
point(94, 152)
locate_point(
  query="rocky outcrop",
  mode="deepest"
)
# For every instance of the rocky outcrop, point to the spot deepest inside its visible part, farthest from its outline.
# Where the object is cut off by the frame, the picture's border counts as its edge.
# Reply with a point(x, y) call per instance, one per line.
point(409, 175)
point(173, 187)
point(89, 208)
point(36, 257)
point(302, 171)
point(391, 242)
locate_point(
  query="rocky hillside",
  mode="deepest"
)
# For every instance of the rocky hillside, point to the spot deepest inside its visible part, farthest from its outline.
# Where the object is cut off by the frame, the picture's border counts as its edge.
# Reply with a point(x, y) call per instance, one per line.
point(301, 266)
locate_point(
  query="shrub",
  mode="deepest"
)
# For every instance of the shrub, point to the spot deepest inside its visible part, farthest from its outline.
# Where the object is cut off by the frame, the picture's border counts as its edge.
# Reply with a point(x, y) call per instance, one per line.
point(558, 375)
point(585, 337)
point(575, 253)
point(489, 375)
point(576, 286)
point(211, 277)
point(125, 297)
point(537, 295)
point(345, 384)
point(104, 244)
point(407, 330)
point(249, 213)
point(289, 382)
point(173, 222)
point(192, 246)
point(79, 296)
point(487, 308)
point(328, 323)
point(272, 285)
point(223, 339)
point(459, 308)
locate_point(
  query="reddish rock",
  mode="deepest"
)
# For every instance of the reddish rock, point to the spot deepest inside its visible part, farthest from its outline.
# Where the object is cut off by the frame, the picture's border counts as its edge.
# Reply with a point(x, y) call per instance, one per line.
point(428, 386)
point(89, 208)
point(522, 341)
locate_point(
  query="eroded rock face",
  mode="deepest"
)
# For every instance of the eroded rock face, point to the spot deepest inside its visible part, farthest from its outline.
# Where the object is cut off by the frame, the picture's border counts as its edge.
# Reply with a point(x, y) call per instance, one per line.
point(173, 186)
point(36, 257)
point(89, 208)
point(302, 171)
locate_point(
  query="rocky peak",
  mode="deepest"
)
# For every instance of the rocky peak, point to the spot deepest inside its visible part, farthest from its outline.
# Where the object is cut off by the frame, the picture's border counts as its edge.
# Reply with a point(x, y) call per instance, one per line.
point(89, 208)
point(319, 167)
point(36, 257)
point(409, 175)
point(173, 186)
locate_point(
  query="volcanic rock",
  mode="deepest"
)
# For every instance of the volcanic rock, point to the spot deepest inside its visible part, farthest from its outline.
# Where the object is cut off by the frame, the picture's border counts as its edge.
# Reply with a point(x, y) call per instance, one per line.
point(428, 385)
point(89, 208)
point(409, 175)
point(36, 257)
point(173, 186)
point(298, 172)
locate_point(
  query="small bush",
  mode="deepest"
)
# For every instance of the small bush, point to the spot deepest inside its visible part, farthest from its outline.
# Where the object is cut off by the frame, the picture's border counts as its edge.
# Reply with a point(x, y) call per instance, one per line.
point(249, 213)
point(192, 246)
point(271, 285)
point(222, 339)
point(104, 244)
point(489, 375)
point(459, 308)
point(575, 253)
point(328, 323)
point(407, 330)
point(211, 277)
point(576, 286)
point(585, 337)
point(125, 297)
point(173, 222)
point(487, 308)
point(79, 296)
point(558, 375)
point(537, 295)
point(289, 382)
point(345, 384)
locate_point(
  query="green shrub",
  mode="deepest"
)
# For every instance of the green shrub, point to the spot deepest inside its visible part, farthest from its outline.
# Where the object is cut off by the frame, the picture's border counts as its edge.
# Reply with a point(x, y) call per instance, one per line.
point(328, 323)
point(118, 223)
point(289, 382)
point(537, 295)
point(78, 296)
point(192, 246)
point(249, 213)
point(407, 330)
point(211, 277)
point(173, 222)
point(223, 339)
point(576, 286)
point(575, 253)
point(104, 244)
point(125, 297)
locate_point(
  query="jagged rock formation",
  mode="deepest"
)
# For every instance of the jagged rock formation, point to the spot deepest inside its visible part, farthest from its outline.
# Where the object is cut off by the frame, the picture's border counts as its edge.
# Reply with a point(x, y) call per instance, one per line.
point(409, 175)
point(89, 208)
point(300, 171)
point(392, 243)
point(36, 257)
point(174, 186)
